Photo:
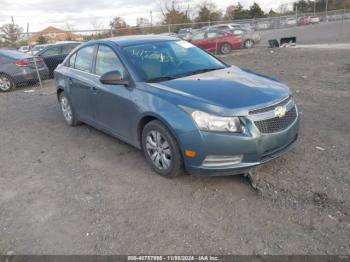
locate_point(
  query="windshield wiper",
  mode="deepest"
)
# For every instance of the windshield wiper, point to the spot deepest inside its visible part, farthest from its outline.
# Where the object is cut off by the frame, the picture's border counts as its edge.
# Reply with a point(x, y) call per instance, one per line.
point(200, 71)
point(165, 78)
point(160, 79)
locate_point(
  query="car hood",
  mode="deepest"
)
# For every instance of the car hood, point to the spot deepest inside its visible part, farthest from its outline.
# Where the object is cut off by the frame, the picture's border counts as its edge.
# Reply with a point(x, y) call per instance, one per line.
point(230, 88)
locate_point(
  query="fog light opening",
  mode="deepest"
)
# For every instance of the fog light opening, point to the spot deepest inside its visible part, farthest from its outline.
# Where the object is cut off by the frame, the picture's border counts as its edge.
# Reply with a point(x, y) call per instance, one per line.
point(222, 160)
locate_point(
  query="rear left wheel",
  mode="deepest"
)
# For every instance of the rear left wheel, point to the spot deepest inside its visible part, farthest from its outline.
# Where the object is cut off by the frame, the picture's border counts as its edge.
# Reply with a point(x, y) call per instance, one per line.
point(6, 83)
point(161, 150)
point(67, 110)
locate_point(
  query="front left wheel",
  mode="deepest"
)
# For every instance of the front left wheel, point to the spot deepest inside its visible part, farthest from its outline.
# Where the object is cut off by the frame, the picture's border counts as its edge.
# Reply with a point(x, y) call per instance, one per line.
point(161, 150)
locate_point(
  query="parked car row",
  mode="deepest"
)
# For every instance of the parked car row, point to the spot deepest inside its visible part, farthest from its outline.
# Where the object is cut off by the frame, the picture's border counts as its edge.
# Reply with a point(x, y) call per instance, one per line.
point(217, 41)
point(54, 54)
point(265, 24)
point(17, 68)
point(221, 38)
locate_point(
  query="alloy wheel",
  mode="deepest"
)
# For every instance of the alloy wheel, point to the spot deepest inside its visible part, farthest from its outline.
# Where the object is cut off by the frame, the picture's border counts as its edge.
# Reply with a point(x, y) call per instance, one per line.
point(158, 150)
point(5, 83)
point(225, 49)
point(66, 109)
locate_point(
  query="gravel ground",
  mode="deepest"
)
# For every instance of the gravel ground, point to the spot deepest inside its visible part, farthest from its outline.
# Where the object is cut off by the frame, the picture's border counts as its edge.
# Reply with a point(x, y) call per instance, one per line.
point(76, 190)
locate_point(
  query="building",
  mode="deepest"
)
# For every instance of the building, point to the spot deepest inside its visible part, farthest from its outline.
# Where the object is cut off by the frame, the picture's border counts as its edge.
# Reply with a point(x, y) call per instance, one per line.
point(53, 34)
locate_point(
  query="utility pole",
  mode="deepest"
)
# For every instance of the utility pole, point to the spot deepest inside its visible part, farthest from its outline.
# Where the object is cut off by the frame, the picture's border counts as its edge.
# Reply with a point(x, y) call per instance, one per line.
point(327, 10)
point(27, 31)
point(314, 7)
point(14, 26)
point(151, 16)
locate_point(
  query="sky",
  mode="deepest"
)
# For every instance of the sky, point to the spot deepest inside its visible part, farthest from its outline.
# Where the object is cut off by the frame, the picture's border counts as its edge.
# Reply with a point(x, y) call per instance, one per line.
point(96, 14)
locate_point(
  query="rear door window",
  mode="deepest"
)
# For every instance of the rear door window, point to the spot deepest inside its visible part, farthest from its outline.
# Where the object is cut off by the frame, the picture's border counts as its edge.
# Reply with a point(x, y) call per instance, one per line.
point(198, 36)
point(212, 35)
point(83, 60)
point(52, 51)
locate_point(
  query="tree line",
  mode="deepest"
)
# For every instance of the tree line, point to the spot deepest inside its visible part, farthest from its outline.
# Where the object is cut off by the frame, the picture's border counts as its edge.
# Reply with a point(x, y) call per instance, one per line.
point(173, 15)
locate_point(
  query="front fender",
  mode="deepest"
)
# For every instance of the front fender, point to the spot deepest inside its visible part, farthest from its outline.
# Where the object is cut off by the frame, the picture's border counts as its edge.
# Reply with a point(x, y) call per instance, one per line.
point(177, 120)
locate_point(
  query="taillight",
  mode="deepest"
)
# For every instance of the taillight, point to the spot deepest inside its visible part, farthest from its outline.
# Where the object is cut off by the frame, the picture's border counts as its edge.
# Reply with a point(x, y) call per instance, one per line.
point(21, 62)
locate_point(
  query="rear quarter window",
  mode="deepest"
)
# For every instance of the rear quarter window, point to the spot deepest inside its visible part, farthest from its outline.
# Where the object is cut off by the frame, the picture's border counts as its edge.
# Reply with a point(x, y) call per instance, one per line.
point(71, 61)
point(83, 60)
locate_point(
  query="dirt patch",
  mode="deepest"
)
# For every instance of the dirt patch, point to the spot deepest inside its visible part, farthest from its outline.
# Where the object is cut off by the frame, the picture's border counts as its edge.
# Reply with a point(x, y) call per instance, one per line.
point(70, 190)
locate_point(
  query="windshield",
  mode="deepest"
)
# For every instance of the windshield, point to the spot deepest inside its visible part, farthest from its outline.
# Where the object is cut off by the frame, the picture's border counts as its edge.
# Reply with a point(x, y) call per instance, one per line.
point(170, 59)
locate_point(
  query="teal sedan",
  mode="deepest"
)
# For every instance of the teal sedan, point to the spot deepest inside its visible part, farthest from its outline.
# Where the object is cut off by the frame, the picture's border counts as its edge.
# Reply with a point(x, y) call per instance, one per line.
point(183, 107)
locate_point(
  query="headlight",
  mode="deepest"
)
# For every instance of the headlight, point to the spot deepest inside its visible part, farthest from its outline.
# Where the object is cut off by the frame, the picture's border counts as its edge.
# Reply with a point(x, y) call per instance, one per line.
point(208, 122)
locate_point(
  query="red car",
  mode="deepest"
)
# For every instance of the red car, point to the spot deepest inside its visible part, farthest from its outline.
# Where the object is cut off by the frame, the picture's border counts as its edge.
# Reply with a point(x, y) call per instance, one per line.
point(304, 21)
point(214, 41)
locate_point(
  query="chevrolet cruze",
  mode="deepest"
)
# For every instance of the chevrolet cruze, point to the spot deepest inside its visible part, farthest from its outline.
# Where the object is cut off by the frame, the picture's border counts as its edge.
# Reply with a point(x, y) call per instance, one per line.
point(182, 106)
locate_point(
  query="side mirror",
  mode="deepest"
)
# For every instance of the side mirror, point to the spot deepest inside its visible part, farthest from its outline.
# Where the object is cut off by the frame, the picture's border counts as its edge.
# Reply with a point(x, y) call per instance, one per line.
point(113, 78)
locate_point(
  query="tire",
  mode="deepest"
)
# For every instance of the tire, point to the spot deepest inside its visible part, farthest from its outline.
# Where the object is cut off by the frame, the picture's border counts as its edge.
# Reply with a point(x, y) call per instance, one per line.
point(249, 43)
point(67, 109)
point(225, 48)
point(164, 150)
point(6, 83)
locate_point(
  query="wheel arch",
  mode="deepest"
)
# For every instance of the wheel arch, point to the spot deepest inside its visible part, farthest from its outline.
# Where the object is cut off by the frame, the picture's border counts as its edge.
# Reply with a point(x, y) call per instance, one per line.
point(10, 77)
point(59, 91)
point(148, 117)
point(225, 43)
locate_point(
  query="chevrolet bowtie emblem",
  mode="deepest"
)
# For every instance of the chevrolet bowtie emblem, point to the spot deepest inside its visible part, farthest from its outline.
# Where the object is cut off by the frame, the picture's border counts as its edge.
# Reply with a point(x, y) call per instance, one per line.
point(280, 111)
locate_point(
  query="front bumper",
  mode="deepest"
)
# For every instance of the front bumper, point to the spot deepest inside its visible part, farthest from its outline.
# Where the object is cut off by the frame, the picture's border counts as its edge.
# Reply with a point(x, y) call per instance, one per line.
point(255, 147)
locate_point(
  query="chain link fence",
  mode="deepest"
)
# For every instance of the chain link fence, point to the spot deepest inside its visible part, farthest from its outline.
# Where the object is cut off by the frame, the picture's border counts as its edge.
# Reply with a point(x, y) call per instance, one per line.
point(32, 65)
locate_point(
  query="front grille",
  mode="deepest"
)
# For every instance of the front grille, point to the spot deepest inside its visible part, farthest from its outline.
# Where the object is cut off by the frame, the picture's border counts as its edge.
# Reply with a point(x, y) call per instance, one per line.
point(277, 124)
point(270, 108)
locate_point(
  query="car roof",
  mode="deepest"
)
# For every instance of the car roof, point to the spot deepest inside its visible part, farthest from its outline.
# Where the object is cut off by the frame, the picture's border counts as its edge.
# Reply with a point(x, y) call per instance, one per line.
point(14, 54)
point(43, 45)
point(136, 39)
point(229, 24)
point(66, 43)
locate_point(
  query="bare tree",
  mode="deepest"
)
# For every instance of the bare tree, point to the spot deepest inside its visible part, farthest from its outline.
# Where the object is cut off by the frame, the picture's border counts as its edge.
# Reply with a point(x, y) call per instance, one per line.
point(208, 11)
point(175, 14)
point(117, 23)
point(96, 25)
